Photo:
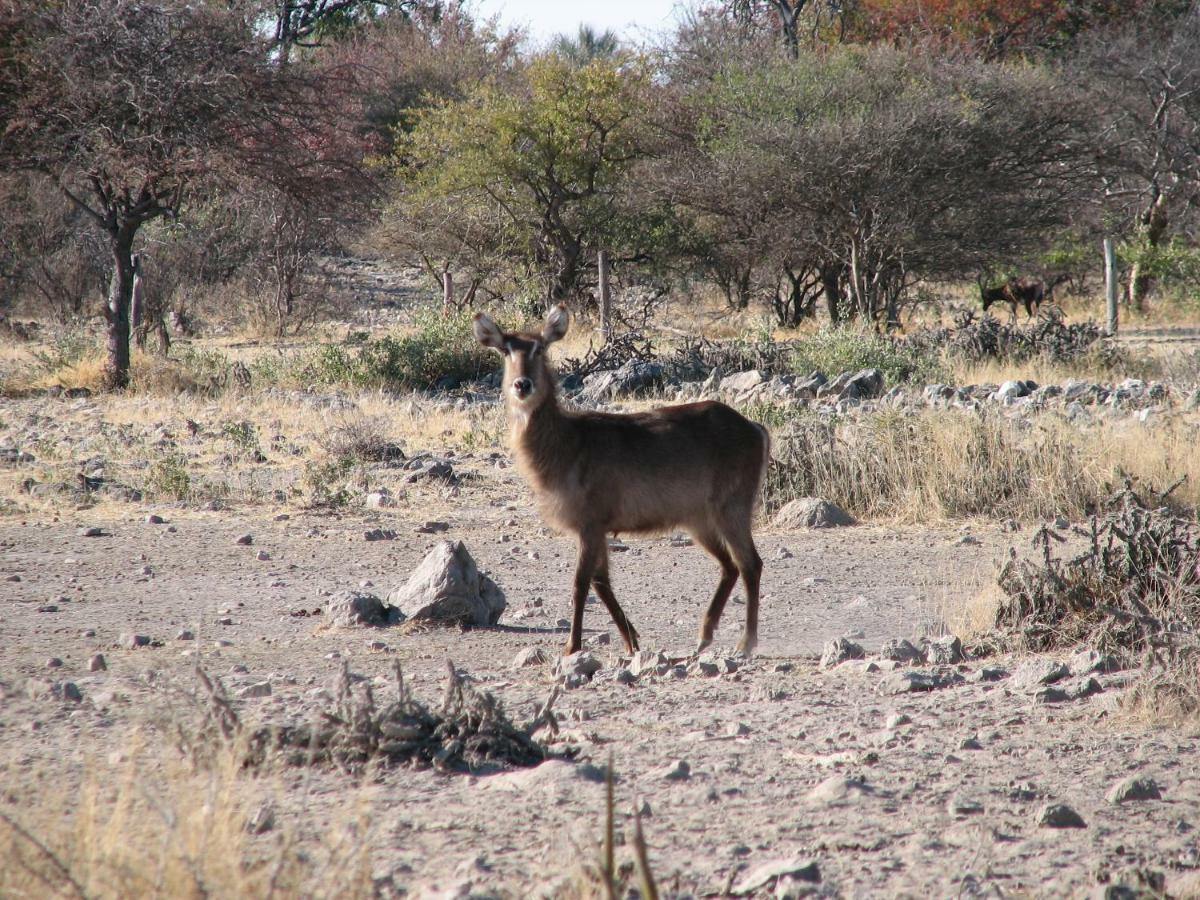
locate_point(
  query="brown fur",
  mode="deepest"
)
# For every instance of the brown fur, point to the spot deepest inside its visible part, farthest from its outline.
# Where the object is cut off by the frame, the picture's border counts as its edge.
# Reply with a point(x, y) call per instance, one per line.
point(1029, 292)
point(697, 467)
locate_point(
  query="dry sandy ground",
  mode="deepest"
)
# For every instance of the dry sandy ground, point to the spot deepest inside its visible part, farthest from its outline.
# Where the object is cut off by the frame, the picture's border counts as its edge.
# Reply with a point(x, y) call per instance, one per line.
point(786, 760)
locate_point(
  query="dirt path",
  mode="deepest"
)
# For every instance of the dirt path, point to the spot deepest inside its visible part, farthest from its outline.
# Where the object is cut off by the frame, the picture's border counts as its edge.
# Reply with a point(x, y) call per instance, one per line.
point(785, 759)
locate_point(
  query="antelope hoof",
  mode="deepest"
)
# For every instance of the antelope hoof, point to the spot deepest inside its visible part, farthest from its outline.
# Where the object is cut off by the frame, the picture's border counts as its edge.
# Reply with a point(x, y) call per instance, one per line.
point(703, 643)
point(569, 648)
point(746, 645)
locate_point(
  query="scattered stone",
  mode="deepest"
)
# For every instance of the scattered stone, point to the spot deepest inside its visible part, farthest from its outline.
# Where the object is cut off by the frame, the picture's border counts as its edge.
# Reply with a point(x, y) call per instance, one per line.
point(915, 682)
point(54, 663)
point(530, 656)
point(1086, 688)
point(603, 639)
point(1034, 672)
point(70, 692)
point(245, 540)
point(262, 821)
point(1086, 662)
point(901, 651)
point(895, 720)
point(624, 676)
point(838, 789)
point(13, 578)
point(1134, 788)
point(185, 635)
point(648, 662)
point(742, 381)
point(1059, 815)
point(1051, 695)
point(258, 689)
point(97, 663)
point(262, 556)
point(155, 519)
point(970, 743)
point(581, 664)
point(812, 512)
point(986, 674)
point(379, 534)
point(864, 385)
point(91, 531)
point(679, 770)
point(433, 528)
point(377, 646)
point(225, 621)
point(964, 806)
point(48, 608)
point(944, 651)
point(350, 608)
point(447, 586)
point(379, 499)
point(783, 553)
point(967, 540)
point(133, 641)
point(839, 650)
point(770, 874)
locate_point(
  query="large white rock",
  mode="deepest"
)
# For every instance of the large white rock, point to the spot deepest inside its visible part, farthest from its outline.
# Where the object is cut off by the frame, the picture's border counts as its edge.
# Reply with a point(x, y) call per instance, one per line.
point(448, 586)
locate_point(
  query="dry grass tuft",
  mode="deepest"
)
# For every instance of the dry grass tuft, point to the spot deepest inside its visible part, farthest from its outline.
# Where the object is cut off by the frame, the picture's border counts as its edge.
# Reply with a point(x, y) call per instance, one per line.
point(938, 465)
point(1168, 692)
point(156, 827)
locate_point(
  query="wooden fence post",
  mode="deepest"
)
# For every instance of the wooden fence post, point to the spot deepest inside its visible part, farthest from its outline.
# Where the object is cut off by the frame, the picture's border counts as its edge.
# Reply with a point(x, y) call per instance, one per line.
point(605, 297)
point(1110, 284)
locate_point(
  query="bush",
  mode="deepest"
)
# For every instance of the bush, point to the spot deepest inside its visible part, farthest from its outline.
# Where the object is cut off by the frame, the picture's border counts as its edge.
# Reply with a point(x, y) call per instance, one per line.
point(980, 338)
point(836, 350)
point(169, 479)
point(1135, 587)
point(441, 352)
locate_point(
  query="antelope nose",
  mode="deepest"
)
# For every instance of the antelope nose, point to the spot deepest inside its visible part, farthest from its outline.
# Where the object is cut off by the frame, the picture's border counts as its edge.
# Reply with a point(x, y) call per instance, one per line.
point(523, 387)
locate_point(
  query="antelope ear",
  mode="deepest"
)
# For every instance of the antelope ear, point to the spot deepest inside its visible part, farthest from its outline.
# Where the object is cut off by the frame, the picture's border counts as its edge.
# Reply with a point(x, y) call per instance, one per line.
point(556, 324)
point(488, 332)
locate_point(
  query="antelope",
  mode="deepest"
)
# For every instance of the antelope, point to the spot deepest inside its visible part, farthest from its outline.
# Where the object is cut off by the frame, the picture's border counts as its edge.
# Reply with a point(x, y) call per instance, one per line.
point(1029, 292)
point(696, 466)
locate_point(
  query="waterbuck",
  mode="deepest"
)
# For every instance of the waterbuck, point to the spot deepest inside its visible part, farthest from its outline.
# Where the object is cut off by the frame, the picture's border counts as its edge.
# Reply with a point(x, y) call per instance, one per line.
point(696, 466)
point(1029, 292)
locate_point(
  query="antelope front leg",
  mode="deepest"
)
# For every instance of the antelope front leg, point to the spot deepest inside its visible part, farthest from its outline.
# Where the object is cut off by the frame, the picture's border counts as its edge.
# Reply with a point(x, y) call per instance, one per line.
point(590, 549)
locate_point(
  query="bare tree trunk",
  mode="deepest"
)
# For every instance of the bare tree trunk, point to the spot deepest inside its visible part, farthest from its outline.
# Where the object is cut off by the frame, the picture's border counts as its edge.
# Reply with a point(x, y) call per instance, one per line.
point(120, 293)
point(830, 287)
point(605, 296)
point(447, 292)
point(1154, 226)
point(137, 304)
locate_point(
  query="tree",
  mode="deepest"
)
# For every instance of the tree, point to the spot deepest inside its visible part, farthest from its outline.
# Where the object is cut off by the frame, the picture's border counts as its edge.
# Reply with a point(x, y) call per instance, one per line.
point(587, 45)
point(854, 173)
point(1147, 94)
point(532, 173)
point(128, 104)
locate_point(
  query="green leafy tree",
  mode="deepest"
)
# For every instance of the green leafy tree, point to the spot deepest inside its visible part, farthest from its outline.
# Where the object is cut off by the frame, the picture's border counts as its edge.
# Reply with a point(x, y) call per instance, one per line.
point(587, 45)
point(529, 176)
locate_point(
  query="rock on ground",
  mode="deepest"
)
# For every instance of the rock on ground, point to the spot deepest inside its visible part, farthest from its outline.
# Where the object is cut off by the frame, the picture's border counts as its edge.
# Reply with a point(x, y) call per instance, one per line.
point(448, 586)
point(812, 512)
point(350, 608)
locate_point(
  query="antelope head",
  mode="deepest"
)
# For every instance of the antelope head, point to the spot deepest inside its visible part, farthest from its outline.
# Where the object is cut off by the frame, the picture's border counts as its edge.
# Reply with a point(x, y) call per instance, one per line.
point(528, 381)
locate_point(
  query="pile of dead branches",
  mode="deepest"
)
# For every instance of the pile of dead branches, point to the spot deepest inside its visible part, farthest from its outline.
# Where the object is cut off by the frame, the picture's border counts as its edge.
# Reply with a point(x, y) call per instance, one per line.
point(470, 732)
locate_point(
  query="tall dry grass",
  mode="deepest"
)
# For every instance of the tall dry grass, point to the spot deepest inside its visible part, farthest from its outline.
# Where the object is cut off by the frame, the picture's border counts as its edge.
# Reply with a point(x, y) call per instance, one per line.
point(155, 827)
point(937, 465)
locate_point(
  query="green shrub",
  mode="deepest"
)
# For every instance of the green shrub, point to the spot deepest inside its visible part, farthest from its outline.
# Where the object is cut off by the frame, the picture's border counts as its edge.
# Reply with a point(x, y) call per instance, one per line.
point(837, 350)
point(243, 436)
point(442, 349)
point(168, 478)
point(67, 347)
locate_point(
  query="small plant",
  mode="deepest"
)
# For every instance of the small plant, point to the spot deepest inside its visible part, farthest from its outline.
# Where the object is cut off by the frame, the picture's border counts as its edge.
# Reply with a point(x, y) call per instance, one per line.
point(325, 482)
point(169, 479)
point(243, 435)
point(359, 438)
point(68, 347)
point(1136, 586)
